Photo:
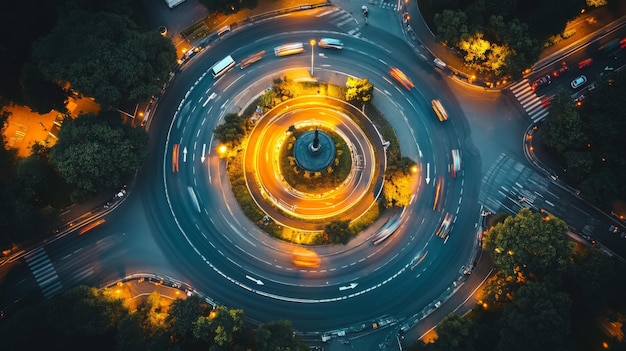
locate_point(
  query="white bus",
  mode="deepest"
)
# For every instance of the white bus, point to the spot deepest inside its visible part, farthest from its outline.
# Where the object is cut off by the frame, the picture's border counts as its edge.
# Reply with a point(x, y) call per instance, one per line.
point(222, 66)
point(289, 49)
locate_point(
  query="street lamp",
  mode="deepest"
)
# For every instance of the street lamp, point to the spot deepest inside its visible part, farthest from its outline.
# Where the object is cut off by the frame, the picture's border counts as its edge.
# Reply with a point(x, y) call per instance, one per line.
point(312, 42)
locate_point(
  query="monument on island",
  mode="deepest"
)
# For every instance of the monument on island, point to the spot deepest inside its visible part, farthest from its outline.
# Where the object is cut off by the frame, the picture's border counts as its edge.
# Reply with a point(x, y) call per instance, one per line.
point(314, 151)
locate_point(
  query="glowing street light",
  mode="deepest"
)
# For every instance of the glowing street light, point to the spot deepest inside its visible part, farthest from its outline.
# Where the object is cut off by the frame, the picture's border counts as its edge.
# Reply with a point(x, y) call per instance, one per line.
point(312, 42)
point(221, 150)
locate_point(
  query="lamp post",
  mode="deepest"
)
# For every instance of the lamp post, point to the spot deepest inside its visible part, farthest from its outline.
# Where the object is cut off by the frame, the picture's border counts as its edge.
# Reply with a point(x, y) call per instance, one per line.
point(312, 42)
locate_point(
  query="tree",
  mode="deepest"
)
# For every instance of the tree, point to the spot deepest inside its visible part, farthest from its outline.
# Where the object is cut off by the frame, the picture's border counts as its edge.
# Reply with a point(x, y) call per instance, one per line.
point(183, 316)
point(338, 232)
point(530, 246)
point(232, 130)
point(397, 189)
point(451, 26)
point(105, 56)
point(475, 48)
point(538, 319)
point(454, 332)
point(219, 328)
point(596, 3)
point(278, 336)
point(228, 6)
point(94, 155)
point(40, 94)
point(563, 129)
point(26, 20)
point(359, 90)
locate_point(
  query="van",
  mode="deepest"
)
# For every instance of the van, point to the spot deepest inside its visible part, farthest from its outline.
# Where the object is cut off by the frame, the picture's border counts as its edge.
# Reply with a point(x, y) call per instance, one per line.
point(330, 43)
point(289, 49)
point(223, 31)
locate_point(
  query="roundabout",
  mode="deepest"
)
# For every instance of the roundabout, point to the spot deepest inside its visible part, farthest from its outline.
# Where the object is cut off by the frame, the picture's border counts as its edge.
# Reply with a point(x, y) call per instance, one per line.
point(314, 208)
point(219, 251)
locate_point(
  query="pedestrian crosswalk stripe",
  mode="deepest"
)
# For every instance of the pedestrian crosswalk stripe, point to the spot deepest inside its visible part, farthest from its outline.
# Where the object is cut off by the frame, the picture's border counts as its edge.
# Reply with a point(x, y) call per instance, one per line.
point(529, 100)
point(335, 9)
point(347, 20)
point(43, 271)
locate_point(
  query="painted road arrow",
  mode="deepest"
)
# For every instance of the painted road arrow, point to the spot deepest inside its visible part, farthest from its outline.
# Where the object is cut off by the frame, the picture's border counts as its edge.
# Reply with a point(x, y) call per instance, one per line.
point(202, 158)
point(258, 281)
point(351, 286)
point(185, 154)
point(428, 173)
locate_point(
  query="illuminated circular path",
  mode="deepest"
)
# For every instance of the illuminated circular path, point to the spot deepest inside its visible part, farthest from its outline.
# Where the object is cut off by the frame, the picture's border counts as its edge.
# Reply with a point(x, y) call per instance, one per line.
point(350, 199)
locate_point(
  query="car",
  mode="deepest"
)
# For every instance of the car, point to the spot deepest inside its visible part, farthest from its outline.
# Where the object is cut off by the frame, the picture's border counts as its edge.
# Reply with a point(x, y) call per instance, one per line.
point(441, 113)
point(591, 240)
point(444, 228)
point(585, 63)
point(578, 82)
point(579, 100)
point(439, 63)
point(541, 82)
point(455, 167)
point(330, 43)
point(401, 78)
point(438, 203)
point(613, 229)
point(559, 72)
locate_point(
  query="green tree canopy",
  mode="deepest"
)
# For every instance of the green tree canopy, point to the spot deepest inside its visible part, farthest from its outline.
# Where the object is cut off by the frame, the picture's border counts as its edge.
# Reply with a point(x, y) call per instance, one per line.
point(454, 333)
point(93, 154)
point(397, 189)
point(105, 56)
point(359, 89)
point(338, 232)
point(220, 327)
point(530, 246)
point(451, 26)
point(537, 319)
point(278, 336)
point(183, 315)
point(228, 6)
point(563, 127)
point(232, 130)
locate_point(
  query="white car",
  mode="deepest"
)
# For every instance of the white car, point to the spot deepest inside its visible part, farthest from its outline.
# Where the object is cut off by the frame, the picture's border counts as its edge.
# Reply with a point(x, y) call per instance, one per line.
point(578, 82)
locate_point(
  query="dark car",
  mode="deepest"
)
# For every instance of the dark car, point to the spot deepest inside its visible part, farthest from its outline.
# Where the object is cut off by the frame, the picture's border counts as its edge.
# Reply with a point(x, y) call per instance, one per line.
point(560, 71)
point(541, 82)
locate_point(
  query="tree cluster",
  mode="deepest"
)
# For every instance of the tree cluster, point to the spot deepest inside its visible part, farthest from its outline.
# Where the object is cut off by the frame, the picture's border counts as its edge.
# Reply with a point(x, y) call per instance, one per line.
point(93, 154)
point(90, 48)
point(228, 6)
point(588, 140)
point(501, 38)
point(89, 319)
point(544, 295)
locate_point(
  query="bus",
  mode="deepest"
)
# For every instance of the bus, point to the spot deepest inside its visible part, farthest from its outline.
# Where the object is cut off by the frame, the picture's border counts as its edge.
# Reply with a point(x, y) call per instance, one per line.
point(289, 49)
point(252, 59)
point(439, 110)
point(222, 66)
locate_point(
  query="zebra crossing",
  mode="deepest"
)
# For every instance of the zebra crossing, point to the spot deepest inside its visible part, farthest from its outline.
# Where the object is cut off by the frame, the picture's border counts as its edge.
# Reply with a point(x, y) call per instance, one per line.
point(342, 19)
point(44, 272)
point(534, 107)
